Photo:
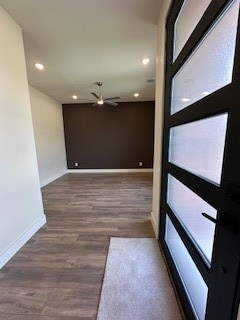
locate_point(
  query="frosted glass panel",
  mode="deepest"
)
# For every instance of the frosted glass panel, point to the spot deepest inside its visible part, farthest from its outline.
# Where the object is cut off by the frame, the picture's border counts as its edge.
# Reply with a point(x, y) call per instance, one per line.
point(192, 280)
point(198, 146)
point(189, 16)
point(210, 66)
point(188, 208)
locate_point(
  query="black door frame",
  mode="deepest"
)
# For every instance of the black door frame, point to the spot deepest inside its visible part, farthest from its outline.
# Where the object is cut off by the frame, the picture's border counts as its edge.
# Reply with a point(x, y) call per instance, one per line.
point(223, 269)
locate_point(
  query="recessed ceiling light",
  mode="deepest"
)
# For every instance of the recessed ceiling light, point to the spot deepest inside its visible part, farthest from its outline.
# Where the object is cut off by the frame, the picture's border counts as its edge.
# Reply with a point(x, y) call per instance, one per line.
point(145, 61)
point(205, 93)
point(74, 97)
point(39, 66)
point(136, 95)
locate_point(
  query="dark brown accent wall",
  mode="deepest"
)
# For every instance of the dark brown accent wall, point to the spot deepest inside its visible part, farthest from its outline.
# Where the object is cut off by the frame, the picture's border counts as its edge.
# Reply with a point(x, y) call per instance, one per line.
point(109, 137)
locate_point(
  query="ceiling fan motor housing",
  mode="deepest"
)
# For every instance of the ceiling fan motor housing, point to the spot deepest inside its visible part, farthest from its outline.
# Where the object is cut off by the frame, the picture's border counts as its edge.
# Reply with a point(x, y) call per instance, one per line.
point(100, 100)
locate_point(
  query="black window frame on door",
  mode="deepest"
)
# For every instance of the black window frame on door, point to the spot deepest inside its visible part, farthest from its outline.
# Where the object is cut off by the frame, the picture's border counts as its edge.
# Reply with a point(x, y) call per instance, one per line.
point(222, 101)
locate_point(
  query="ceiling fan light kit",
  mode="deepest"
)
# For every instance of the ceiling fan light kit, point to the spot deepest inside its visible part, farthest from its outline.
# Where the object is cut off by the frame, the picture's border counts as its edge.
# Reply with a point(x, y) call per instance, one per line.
point(101, 100)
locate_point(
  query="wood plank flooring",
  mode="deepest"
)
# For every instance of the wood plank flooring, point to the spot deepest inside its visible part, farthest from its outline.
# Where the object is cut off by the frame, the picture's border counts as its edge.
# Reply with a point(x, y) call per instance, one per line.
point(58, 274)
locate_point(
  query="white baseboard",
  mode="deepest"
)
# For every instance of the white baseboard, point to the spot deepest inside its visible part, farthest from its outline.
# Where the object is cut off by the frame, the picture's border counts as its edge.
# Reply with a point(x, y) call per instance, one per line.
point(17, 244)
point(108, 170)
point(52, 178)
point(154, 224)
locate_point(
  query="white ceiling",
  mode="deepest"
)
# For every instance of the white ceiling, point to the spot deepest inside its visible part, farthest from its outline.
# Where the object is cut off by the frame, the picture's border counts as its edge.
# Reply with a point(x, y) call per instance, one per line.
point(84, 41)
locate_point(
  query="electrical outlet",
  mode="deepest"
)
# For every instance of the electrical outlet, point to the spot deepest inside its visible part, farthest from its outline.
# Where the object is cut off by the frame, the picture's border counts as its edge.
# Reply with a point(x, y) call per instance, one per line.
point(140, 163)
point(76, 164)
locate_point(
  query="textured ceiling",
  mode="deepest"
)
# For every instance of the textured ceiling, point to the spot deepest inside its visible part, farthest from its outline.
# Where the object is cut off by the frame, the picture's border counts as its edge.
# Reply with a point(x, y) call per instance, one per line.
point(84, 41)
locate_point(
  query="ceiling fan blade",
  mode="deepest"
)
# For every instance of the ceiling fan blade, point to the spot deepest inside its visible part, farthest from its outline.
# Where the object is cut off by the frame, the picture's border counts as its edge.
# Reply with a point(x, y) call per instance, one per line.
point(113, 98)
point(95, 95)
point(111, 103)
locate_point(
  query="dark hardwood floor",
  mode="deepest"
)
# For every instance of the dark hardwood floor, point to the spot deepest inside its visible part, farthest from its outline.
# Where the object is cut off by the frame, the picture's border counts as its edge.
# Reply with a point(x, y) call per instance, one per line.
point(58, 274)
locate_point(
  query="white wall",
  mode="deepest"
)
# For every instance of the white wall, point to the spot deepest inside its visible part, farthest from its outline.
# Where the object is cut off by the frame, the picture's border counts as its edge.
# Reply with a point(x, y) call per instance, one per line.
point(49, 136)
point(159, 105)
point(21, 210)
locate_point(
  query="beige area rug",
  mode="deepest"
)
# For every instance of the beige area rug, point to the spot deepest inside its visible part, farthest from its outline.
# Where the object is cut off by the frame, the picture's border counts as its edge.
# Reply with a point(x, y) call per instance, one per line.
point(136, 285)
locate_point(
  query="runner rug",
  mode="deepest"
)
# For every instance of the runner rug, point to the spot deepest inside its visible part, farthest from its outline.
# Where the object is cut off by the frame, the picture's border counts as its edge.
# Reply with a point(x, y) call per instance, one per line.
point(136, 284)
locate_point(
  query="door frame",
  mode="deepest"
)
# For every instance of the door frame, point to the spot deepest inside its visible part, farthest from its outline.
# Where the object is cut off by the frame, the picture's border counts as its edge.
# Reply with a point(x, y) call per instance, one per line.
point(210, 105)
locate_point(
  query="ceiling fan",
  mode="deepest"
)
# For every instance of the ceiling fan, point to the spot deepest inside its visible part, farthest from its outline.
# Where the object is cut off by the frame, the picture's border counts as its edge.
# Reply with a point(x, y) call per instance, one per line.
point(101, 100)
